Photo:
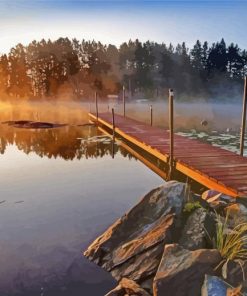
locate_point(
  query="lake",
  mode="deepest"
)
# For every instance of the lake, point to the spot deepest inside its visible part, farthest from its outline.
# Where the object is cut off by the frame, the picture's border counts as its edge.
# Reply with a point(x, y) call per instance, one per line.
point(60, 188)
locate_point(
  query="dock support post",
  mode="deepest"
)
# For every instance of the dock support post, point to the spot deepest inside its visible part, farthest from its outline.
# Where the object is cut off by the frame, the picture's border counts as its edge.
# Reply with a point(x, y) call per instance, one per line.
point(123, 101)
point(113, 132)
point(171, 128)
point(151, 115)
point(96, 105)
point(243, 118)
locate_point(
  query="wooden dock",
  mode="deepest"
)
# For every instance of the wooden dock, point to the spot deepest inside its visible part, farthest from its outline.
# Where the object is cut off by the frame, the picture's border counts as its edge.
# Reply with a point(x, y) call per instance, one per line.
point(213, 167)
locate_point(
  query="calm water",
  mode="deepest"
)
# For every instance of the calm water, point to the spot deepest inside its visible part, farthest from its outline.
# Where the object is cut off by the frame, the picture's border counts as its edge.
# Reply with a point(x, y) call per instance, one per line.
point(59, 189)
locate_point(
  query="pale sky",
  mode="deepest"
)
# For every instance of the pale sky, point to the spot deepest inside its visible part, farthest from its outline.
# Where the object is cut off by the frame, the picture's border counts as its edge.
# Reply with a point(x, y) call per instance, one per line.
point(22, 21)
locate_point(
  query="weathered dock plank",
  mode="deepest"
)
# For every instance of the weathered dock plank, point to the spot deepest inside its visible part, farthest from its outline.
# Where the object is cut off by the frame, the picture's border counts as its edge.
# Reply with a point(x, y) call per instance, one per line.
point(210, 166)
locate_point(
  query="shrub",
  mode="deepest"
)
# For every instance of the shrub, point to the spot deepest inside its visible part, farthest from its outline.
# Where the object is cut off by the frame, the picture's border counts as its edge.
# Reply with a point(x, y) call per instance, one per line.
point(191, 206)
point(231, 242)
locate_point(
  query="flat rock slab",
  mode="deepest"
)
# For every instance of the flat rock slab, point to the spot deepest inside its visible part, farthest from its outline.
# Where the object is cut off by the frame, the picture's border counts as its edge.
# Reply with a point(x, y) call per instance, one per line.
point(141, 267)
point(181, 272)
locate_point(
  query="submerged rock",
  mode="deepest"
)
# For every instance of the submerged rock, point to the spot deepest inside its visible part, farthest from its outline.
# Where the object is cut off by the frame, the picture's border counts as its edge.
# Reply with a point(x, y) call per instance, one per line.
point(128, 287)
point(181, 272)
point(215, 286)
point(32, 124)
point(132, 247)
point(198, 230)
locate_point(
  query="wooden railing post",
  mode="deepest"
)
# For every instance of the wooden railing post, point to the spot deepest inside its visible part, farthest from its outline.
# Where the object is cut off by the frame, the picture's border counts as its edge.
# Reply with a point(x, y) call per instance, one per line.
point(96, 105)
point(113, 123)
point(113, 132)
point(151, 115)
point(171, 128)
point(123, 101)
point(243, 118)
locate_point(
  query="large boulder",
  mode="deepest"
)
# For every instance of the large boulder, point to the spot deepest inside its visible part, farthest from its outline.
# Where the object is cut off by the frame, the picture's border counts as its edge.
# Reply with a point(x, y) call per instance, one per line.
point(215, 286)
point(199, 227)
point(159, 231)
point(181, 271)
point(127, 287)
point(145, 226)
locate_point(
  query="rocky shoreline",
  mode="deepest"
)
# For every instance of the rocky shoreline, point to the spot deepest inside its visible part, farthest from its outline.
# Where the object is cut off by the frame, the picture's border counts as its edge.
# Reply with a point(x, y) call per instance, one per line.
point(168, 245)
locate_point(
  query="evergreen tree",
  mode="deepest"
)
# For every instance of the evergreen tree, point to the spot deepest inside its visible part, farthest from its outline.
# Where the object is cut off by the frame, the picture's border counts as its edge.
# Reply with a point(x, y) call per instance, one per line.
point(235, 61)
point(217, 58)
point(143, 61)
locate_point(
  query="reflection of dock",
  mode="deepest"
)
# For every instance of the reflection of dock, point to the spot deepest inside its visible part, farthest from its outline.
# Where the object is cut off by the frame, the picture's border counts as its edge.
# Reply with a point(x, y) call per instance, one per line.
point(210, 166)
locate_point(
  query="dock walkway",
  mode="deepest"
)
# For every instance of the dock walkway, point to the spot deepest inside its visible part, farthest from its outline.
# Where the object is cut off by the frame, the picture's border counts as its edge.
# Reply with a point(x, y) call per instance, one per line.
point(210, 166)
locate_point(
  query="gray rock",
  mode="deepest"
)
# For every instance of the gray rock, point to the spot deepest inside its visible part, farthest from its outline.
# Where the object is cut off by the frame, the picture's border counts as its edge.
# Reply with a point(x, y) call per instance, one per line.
point(140, 267)
point(236, 274)
point(148, 285)
point(129, 235)
point(181, 272)
point(217, 199)
point(199, 228)
point(128, 287)
point(237, 211)
point(214, 286)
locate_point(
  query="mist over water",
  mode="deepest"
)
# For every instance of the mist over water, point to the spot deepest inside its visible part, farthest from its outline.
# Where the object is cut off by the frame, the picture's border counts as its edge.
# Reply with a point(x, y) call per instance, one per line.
point(187, 115)
point(57, 111)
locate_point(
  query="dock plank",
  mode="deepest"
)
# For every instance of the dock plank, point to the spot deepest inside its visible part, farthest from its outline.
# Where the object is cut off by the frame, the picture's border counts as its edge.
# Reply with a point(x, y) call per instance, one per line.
point(213, 167)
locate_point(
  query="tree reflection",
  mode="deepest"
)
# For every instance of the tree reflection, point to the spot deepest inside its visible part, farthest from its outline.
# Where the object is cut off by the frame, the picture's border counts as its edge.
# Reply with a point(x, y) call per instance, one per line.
point(69, 143)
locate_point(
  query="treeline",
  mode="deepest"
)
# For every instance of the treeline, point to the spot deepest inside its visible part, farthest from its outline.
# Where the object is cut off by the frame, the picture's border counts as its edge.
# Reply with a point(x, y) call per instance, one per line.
point(52, 69)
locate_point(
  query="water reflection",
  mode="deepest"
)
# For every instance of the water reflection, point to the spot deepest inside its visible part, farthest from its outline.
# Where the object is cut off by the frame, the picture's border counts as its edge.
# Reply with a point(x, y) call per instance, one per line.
point(68, 143)
point(59, 189)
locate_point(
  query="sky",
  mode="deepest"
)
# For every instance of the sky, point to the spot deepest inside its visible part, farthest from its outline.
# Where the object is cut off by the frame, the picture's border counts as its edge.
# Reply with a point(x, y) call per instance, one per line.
point(22, 21)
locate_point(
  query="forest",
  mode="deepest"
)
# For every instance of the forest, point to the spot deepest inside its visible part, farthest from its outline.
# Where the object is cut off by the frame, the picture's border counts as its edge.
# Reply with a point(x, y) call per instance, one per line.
point(72, 69)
